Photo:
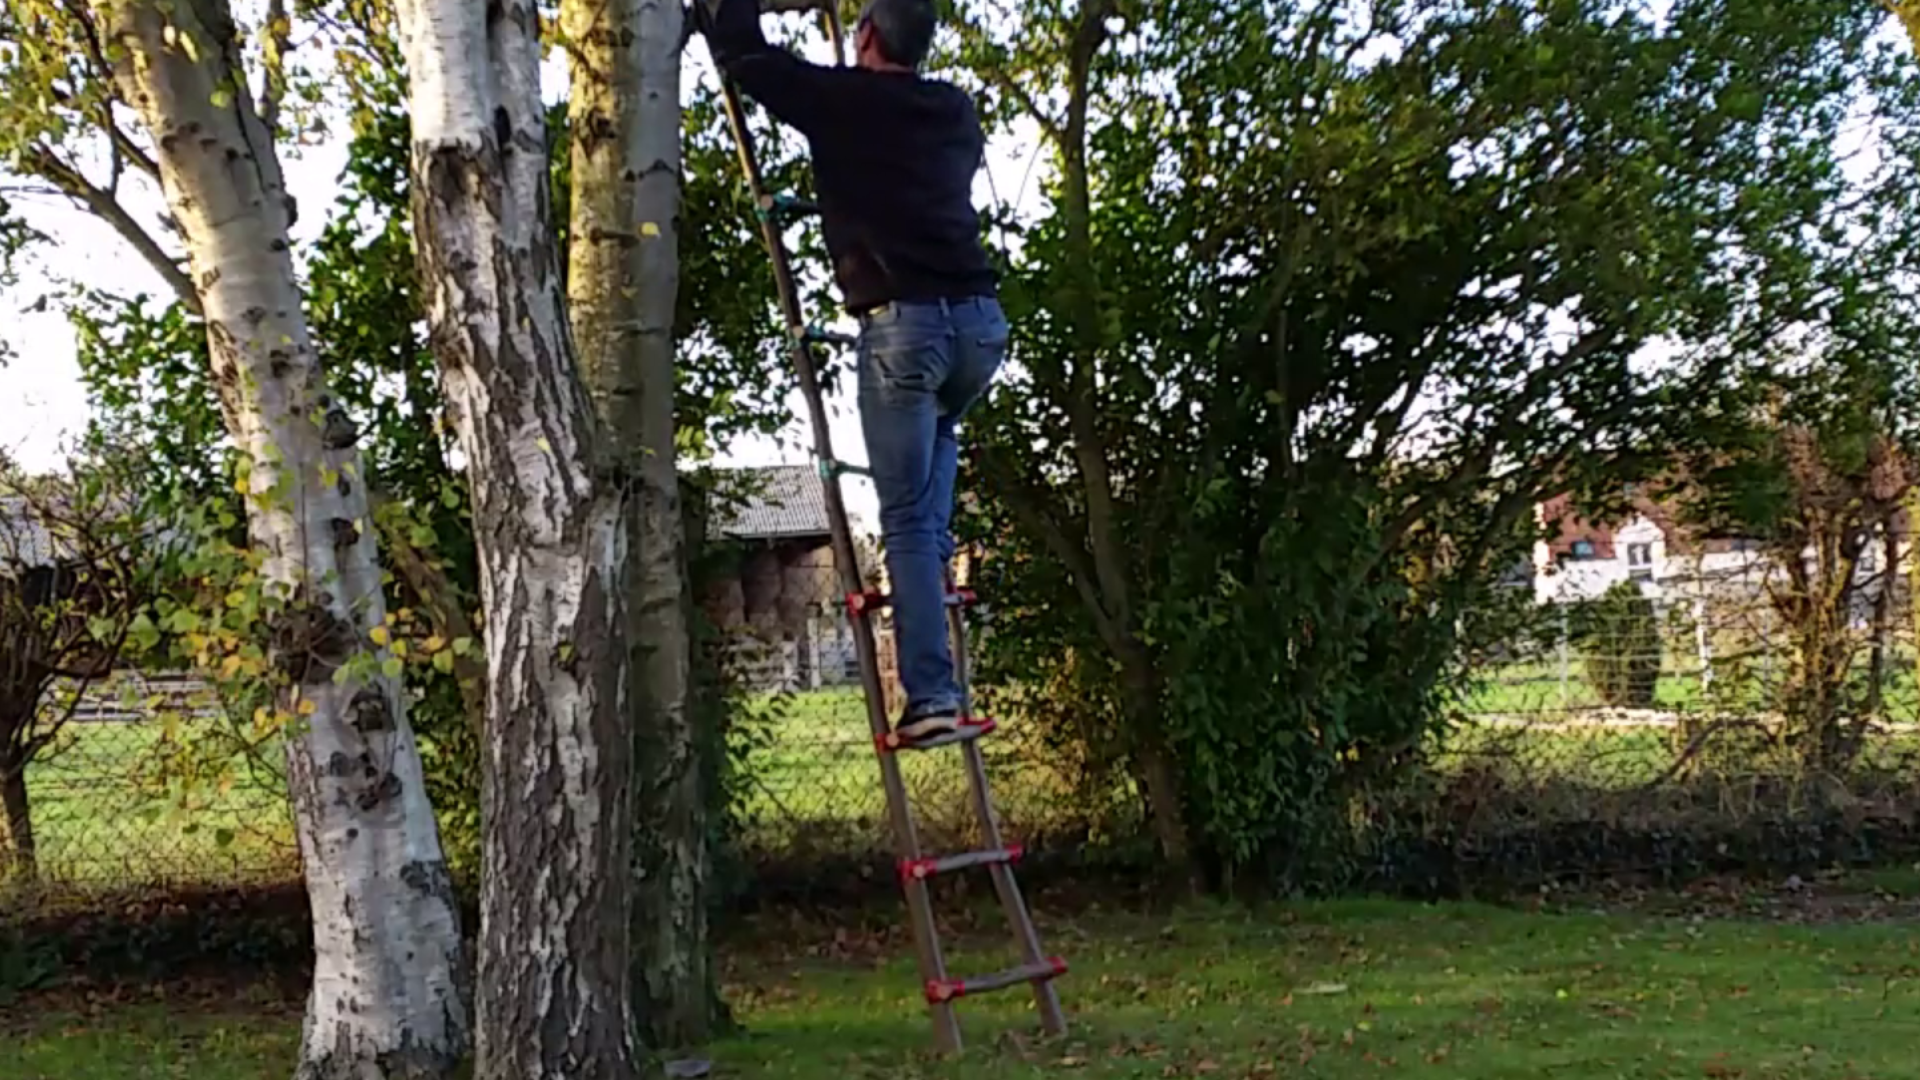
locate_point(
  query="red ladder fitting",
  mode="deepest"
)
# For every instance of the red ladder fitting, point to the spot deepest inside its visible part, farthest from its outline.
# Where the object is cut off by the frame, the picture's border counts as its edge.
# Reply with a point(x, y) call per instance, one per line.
point(922, 869)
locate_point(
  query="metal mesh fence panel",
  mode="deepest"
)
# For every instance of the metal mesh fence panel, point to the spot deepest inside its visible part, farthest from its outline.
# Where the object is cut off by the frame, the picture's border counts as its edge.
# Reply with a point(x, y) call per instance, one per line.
point(1707, 702)
point(141, 790)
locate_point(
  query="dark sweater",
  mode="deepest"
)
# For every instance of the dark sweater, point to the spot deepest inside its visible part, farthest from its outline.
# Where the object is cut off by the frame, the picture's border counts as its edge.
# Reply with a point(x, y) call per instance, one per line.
point(893, 161)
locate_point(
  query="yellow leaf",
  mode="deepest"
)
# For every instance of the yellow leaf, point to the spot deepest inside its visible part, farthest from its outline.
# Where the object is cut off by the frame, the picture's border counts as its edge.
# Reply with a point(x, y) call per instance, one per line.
point(545, 446)
point(648, 228)
point(434, 643)
point(308, 706)
point(380, 635)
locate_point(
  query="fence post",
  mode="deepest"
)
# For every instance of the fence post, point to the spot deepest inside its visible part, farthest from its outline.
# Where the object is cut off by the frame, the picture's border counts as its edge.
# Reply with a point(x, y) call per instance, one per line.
point(813, 652)
point(1703, 642)
point(1563, 656)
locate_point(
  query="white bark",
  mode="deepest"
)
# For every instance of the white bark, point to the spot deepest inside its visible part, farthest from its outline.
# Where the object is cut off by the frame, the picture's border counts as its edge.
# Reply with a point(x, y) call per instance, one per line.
point(389, 997)
point(552, 992)
point(622, 284)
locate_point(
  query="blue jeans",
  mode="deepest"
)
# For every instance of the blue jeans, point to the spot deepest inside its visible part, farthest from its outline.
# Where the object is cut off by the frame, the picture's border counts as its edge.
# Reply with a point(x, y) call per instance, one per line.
point(921, 365)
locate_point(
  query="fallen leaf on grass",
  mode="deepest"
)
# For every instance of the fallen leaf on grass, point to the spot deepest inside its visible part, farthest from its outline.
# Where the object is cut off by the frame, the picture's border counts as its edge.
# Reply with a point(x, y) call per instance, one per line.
point(1325, 988)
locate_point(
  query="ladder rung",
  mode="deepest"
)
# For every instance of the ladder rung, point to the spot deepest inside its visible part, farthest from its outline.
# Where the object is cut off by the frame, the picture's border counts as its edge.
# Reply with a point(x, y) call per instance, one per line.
point(790, 207)
point(860, 603)
point(922, 869)
point(944, 990)
point(971, 728)
point(820, 336)
point(829, 468)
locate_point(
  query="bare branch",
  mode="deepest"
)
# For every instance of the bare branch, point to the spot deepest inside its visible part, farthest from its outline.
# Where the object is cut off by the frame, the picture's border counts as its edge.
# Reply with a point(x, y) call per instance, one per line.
point(70, 181)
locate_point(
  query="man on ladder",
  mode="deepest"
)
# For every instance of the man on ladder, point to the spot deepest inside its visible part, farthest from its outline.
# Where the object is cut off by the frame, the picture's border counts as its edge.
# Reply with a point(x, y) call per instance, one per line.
point(894, 156)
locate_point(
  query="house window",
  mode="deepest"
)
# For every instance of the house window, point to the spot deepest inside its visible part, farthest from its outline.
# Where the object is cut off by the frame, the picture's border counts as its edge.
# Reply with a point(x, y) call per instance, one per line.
point(1639, 562)
point(1582, 549)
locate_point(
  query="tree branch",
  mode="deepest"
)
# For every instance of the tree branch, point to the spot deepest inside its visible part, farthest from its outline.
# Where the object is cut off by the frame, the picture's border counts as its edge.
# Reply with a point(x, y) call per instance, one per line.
point(1471, 471)
point(1049, 125)
point(436, 593)
point(274, 48)
point(1030, 508)
point(104, 206)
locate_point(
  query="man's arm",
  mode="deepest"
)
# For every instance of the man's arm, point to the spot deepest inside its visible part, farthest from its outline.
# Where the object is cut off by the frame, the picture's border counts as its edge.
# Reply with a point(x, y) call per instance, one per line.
point(803, 95)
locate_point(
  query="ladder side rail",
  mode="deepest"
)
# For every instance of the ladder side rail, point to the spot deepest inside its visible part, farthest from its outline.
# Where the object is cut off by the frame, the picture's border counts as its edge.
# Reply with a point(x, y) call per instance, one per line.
point(1046, 997)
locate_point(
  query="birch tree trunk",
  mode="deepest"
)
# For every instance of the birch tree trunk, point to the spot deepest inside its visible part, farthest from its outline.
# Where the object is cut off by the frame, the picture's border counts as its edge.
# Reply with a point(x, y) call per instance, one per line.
point(622, 282)
point(389, 997)
point(550, 526)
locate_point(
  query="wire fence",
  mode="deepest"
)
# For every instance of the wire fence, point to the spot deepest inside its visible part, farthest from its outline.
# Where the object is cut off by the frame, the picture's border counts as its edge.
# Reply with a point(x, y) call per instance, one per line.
point(1691, 701)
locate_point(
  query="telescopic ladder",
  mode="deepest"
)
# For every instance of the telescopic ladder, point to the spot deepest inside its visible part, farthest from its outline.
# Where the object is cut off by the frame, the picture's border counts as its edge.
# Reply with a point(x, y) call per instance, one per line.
point(915, 868)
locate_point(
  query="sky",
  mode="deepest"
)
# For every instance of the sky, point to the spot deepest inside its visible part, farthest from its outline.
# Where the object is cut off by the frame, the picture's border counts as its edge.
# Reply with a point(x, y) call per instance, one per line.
point(43, 406)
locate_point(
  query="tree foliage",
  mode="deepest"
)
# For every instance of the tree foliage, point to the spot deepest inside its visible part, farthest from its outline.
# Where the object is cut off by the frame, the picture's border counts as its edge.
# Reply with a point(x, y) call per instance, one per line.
point(1619, 637)
point(1322, 299)
point(143, 361)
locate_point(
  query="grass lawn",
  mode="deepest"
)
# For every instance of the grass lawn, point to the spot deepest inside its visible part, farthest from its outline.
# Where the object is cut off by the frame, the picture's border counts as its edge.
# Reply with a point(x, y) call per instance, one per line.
point(1547, 686)
point(1347, 989)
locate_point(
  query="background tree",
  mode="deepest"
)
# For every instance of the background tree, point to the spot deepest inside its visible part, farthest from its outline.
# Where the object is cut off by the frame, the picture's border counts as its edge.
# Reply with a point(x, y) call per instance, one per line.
point(1821, 479)
point(1318, 308)
point(78, 559)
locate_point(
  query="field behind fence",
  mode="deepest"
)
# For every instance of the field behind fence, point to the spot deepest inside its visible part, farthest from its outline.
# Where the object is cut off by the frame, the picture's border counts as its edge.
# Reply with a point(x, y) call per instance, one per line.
point(1536, 736)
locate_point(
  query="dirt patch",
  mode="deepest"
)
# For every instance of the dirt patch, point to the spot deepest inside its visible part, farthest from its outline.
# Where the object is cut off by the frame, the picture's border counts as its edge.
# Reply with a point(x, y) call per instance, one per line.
point(1831, 897)
point(83, 1002)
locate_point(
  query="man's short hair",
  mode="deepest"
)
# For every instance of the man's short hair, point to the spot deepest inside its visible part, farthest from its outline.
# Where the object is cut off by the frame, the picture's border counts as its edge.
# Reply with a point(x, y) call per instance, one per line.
point(903, 28)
